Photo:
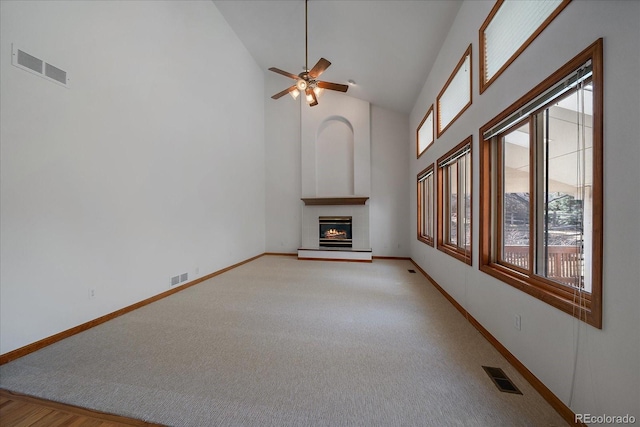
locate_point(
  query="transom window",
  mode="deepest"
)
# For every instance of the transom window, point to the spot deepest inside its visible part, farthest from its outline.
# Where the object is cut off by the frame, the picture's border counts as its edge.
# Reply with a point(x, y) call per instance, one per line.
point(424, 134)
point(455, 96)
point(510, 27)
point(454, 202)
point(425, 205)
point(541, 190)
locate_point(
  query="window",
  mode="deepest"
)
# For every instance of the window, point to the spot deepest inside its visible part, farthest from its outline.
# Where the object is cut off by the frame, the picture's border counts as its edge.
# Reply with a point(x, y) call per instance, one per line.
point(424, 134)
point(510, 27)
point(454, 202)
point(455, 96)
point(425, 205)
point(541, 190)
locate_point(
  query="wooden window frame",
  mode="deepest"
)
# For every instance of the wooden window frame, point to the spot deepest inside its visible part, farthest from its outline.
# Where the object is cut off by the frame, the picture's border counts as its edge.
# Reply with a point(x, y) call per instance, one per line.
point(468, 52)
point(454, 250)
point(485, 83)
point(422, 236)
point(424, 119)
point(587, 308)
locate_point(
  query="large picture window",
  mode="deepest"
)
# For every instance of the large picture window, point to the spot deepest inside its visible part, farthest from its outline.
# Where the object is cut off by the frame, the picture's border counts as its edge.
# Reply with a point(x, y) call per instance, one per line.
point(455, 96)
point(425, 205)
point(510, 27)
point(454, 202)
point(541, 190)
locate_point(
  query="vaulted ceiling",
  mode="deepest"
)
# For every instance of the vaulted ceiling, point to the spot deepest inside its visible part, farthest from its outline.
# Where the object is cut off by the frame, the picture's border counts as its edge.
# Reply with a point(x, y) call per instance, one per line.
point(386, 46)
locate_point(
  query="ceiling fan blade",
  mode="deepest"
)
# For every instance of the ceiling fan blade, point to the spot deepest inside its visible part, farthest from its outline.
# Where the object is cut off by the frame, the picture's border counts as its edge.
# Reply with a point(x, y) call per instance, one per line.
point(310, 92)
point(284, 73)
point(319, 68)
point(333, 86)
point(284, 92)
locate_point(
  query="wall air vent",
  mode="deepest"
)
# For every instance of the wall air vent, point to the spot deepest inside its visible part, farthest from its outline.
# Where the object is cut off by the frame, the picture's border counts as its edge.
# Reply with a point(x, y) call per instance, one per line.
point(39, 67)
point(31, 62)
point(55, 73)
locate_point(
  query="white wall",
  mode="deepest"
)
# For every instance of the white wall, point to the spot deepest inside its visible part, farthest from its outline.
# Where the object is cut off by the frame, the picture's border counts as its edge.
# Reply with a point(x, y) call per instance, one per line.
point(150, 165)
point(283, 168)
point(356, 115)
point(607, 373)
point(388, 203)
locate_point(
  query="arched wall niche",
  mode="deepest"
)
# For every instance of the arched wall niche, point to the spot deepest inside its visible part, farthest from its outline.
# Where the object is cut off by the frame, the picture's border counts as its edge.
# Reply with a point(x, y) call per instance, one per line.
point(334, 145)
point(336, 112)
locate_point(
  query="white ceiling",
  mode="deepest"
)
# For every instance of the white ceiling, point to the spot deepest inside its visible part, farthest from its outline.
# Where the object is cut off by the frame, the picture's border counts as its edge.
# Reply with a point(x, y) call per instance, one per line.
point(386, 46)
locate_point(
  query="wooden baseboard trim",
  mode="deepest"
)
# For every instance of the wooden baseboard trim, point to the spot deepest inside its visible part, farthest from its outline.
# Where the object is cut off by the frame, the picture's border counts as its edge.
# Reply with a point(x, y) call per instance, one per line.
point(553, 400)
point(30, 348)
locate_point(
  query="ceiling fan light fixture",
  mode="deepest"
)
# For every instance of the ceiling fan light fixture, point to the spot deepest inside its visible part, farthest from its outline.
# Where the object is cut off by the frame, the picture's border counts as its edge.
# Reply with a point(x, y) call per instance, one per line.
point(294, 93)
point(318, 91)
point(301, 85)
point(309, 98)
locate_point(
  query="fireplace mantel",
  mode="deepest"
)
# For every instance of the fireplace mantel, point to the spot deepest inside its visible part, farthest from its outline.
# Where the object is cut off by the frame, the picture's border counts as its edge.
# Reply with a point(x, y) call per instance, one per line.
point(326, 201)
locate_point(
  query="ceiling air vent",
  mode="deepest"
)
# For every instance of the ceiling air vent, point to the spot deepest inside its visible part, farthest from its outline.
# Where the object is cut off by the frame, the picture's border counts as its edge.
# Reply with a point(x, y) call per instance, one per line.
point(30, 63)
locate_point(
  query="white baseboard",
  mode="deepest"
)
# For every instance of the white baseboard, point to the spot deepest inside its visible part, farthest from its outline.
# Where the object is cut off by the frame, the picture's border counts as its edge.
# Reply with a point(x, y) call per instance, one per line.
point(362, 255)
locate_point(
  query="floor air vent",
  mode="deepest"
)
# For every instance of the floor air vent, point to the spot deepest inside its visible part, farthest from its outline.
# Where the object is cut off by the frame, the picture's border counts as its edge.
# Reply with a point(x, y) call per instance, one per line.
point(412, 271)
point(501, 380)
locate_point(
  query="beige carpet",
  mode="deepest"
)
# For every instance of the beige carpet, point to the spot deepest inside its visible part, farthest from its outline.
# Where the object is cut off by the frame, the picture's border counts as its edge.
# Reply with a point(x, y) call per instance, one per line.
point(282, 342)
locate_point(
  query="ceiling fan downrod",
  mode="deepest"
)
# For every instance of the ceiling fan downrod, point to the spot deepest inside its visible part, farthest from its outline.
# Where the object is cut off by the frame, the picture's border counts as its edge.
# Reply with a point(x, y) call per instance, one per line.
point(306, 36)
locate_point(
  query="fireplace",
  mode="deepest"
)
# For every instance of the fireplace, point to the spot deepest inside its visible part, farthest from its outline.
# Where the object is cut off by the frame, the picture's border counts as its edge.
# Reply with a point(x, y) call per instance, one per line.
point(335, 231)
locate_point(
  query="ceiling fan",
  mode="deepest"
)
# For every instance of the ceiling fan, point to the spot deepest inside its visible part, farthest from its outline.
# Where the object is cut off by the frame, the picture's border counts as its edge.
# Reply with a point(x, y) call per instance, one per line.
point(307, 81)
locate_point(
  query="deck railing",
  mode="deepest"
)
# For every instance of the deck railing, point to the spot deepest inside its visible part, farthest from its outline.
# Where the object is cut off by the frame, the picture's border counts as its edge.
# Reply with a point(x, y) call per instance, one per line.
point(563, 262)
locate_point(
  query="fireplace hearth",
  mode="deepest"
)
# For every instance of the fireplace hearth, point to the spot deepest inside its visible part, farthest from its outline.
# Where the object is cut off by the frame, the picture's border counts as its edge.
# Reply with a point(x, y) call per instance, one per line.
point(335, 231)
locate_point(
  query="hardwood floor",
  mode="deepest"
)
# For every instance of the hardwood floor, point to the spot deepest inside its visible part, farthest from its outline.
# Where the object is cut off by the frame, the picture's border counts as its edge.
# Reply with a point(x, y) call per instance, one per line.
point(25, 411)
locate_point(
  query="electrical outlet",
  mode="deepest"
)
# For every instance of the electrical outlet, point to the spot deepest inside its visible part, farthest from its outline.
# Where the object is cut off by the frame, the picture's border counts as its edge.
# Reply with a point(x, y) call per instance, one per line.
point(517, 322)
point(92, 293)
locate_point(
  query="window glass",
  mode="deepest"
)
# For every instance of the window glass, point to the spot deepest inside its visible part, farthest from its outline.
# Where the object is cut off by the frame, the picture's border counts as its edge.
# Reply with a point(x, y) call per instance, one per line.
point(454, 202)
point(455, 97)
point(425, 132)
point(516, 203)
point(510, 27)
point(425, 205)
point(565, 196)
